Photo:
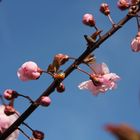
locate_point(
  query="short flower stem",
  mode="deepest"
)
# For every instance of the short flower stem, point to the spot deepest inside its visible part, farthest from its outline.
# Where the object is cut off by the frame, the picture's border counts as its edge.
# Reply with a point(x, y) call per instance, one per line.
point(11, 103)
point(2, 101)
point(27, 126)
point(44, 71)
point(138, 23)
point(24, 133)
point(82, 70)
point(47, 73)
point(110, 19)
point(91, 68)
point(72, 58)
point(95, 27)
point(27, 97)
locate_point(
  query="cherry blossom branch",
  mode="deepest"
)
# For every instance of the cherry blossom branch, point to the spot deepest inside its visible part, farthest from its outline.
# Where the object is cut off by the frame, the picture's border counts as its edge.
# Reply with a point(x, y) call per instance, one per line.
point(91, 46)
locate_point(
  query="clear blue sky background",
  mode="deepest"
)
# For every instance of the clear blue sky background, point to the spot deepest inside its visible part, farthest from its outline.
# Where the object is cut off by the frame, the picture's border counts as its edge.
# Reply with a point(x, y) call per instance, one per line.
point(37, 30)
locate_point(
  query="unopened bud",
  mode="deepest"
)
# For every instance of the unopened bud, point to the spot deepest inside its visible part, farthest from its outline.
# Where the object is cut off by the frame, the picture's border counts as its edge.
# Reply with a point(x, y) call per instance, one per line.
point(10, 94)
point(61, 58)
point(123, 4)
point(9, 110)
point(38, 135)
point(104, 8)
point(45, 101)
point(60, 88)
point(88, 19)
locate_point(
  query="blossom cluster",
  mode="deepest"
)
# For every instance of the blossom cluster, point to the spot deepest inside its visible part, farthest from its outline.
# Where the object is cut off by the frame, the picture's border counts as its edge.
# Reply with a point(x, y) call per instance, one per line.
point(88, 19)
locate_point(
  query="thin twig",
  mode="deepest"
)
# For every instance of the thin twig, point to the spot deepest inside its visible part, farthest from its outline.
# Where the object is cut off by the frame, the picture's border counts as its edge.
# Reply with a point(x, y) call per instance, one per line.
point(78, 68)
point(24, 133)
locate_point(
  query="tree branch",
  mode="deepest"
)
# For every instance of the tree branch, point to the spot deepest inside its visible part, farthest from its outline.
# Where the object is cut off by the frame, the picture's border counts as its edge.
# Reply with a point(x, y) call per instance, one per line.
point(90, 48)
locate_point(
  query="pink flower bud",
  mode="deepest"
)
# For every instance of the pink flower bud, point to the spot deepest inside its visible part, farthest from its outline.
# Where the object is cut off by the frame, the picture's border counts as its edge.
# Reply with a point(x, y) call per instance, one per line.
point(88, 19)
point(29, 71)
point(123, 4)
point(60, 88)
point(104, 8)
point(10, 94)
point(135, 44)
point(45, 101)
point(38, 135)
point(9, 110)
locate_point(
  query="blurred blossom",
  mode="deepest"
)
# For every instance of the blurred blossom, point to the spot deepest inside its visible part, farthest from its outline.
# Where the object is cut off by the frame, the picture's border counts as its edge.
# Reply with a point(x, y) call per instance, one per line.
point(123, 132)
point(88, 19)
point(29, 71)
point(135, 44)
point(104, 8)
point(133, 2)
point(6, 121)
point(101, 80)
point(123, 4)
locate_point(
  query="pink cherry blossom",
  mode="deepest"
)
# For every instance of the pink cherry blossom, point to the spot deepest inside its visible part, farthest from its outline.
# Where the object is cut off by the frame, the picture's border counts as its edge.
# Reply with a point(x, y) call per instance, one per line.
point(29, 71)
point(101, 80)
point(6, 121)
point(88, 19)
point(135, 44)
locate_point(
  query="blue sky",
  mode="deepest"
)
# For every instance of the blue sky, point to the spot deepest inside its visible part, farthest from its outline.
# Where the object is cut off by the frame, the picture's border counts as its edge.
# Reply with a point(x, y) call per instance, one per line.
point(37, 30)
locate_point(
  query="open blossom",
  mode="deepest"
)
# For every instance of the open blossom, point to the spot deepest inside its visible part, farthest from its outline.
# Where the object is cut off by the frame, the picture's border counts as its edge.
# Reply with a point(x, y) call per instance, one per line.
point(6, 121)
point(29, 71)
point(135, 44)
point(101, 80)
point(88, 19)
